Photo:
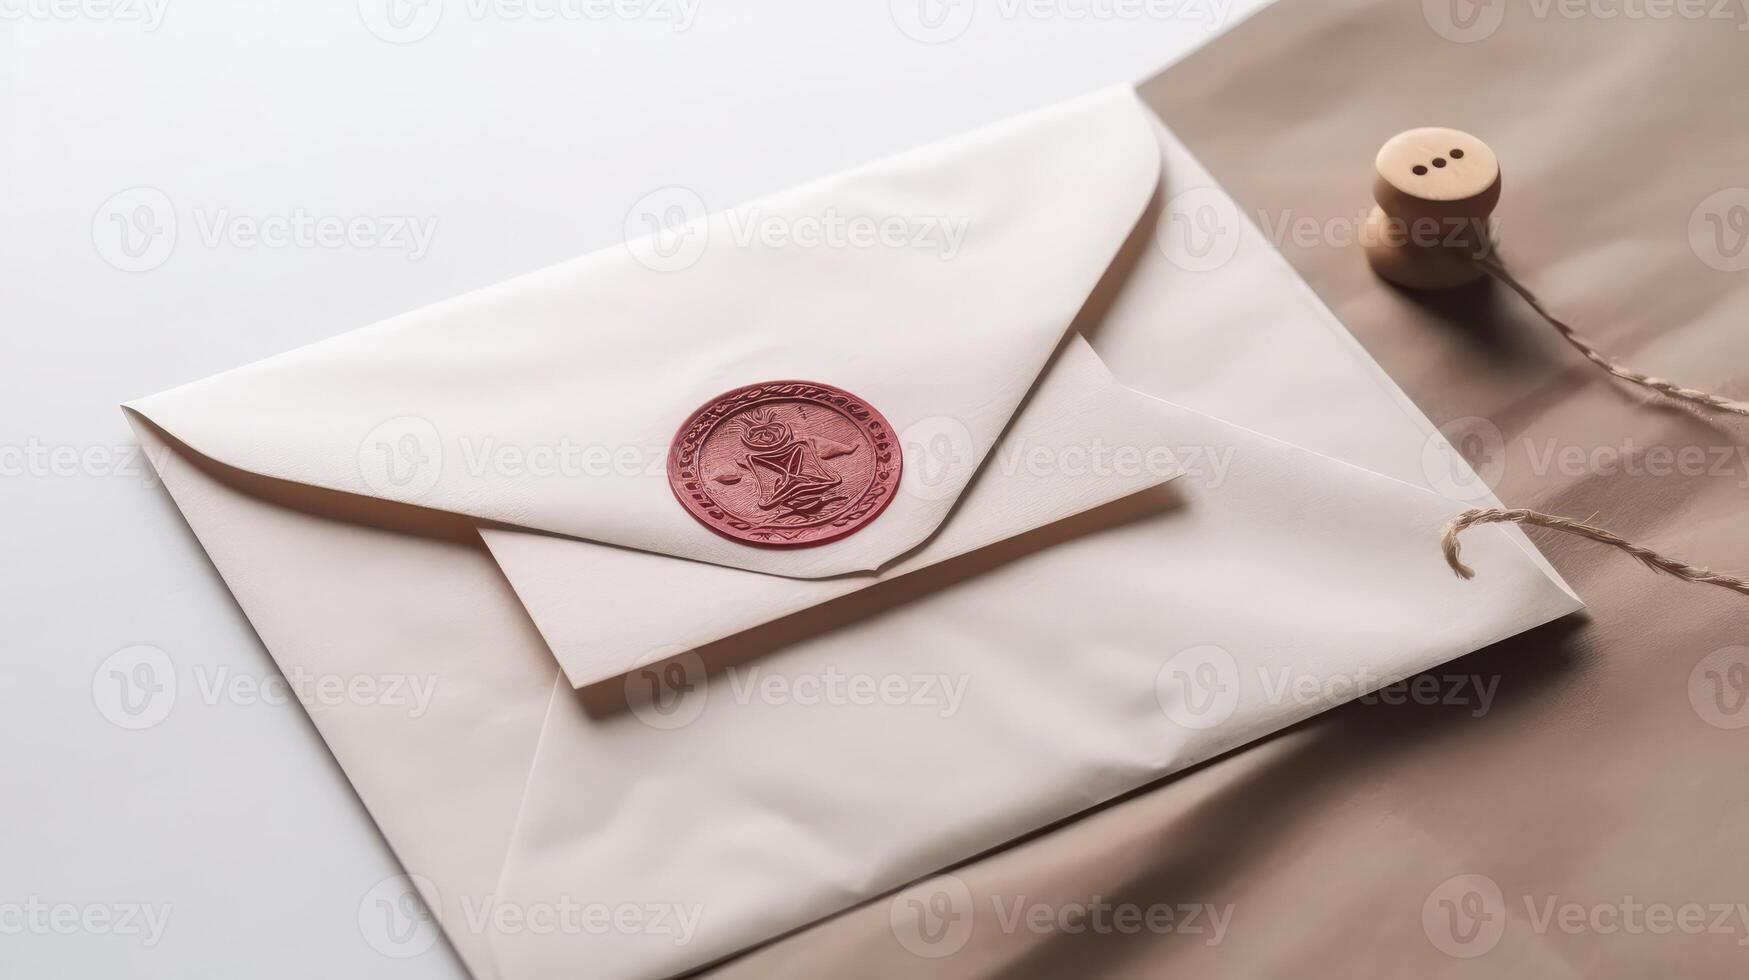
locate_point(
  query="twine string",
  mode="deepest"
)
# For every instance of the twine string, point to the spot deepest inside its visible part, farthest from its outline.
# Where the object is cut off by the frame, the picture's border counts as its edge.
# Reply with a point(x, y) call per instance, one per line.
point(1492, 264)
point(1495, 267)
point(1645, 556)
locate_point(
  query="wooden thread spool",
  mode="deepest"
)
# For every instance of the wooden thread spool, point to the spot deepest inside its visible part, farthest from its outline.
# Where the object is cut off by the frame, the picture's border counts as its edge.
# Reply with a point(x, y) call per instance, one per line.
point(1436, 189)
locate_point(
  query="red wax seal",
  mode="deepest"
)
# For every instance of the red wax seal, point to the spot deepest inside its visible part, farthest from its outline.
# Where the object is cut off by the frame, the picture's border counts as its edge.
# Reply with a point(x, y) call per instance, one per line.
point(785, 464)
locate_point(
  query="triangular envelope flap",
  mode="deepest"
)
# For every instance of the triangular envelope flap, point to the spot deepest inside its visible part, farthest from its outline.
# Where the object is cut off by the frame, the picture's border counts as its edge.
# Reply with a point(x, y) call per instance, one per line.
point(604, 611)
point(549, 401)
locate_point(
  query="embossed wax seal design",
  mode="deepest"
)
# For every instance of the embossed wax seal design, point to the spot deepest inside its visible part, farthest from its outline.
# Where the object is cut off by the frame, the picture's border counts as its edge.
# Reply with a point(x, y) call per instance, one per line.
point(785, 464)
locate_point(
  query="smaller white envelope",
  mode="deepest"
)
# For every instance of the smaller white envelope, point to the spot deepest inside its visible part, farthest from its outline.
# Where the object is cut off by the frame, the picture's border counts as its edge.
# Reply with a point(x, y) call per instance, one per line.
point(1074, 609)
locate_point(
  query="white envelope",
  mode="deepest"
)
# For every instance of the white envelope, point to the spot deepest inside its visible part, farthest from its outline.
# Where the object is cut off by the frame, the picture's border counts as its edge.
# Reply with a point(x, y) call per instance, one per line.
point(1157, 503)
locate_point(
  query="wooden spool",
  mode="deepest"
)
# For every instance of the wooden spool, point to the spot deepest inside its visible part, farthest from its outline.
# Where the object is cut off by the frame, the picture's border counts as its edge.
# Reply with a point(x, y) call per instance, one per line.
point(1435, 190)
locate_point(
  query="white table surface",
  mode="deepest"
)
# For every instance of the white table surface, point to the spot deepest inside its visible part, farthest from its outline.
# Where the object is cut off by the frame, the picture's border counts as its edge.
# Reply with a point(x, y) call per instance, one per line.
point(169, 169)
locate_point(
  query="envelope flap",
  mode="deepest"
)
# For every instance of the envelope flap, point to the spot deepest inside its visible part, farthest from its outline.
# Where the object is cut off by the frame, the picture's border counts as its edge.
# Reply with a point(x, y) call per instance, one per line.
point(933, 285)
point(606, 611)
